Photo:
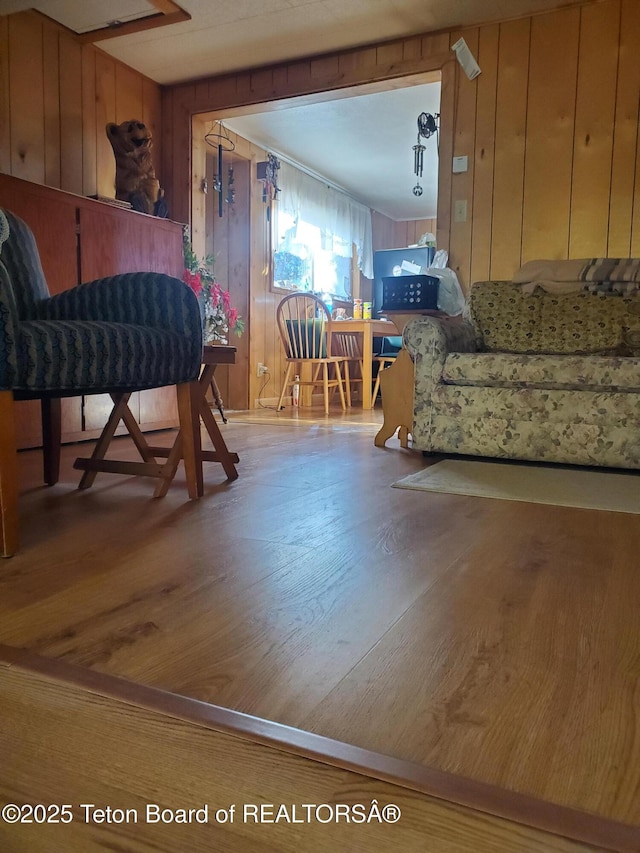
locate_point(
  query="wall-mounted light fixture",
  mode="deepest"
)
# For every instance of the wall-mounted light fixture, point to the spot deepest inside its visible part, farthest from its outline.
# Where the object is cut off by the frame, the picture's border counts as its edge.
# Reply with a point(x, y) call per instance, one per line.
point(427, 127)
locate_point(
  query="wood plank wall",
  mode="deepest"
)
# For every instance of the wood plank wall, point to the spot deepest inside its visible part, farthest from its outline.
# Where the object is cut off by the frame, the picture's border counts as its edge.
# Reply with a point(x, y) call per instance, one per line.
point(56, 97)
point(550, 128)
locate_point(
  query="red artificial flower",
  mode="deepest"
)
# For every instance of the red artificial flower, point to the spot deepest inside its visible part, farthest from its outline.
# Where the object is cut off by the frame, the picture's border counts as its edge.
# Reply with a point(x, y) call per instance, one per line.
point(194, 281)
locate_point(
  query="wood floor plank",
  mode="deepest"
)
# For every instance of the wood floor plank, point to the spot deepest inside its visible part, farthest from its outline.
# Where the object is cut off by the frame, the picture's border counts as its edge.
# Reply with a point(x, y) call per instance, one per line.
point(124, 755)
point(514, 665)
point(487, 638)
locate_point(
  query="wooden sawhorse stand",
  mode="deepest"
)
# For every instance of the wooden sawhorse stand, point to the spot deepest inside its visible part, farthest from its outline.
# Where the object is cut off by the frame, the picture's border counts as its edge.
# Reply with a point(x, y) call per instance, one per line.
point(212, 356)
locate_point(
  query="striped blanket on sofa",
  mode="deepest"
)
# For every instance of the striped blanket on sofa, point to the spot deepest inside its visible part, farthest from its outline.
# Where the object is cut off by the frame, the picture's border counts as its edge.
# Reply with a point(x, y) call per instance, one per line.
point(615, 276)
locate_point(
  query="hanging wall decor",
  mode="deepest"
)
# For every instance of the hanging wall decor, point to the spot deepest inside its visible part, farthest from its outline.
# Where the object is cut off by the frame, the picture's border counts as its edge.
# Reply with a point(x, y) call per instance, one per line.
point(218, 137)
point(267, 171)
point(427, 126)
point(231, 190)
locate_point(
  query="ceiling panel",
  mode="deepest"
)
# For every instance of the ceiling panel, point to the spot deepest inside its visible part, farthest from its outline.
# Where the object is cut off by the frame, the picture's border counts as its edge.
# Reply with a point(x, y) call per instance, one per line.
point(94, 14)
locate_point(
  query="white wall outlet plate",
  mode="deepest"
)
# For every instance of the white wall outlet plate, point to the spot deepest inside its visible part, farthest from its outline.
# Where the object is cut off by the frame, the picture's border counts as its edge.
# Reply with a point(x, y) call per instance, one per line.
point(460, 164)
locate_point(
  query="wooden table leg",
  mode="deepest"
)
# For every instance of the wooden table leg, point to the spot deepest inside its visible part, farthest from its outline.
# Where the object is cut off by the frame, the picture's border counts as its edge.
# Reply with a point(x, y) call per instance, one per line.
point(367, 369)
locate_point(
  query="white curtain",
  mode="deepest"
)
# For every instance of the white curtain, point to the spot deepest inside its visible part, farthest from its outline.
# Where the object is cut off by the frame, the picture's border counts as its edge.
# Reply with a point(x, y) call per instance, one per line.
point(329, 209)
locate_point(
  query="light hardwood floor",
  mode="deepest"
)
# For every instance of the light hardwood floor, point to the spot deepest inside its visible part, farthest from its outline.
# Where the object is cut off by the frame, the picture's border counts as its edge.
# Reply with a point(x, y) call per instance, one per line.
point(494, 640)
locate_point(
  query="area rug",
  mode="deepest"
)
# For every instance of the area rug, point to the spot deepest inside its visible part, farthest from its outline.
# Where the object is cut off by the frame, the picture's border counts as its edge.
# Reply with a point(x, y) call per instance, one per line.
point(587, 488)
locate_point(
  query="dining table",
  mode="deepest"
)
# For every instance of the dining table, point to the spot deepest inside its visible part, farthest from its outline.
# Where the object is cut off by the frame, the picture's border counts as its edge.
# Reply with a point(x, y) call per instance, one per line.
point(368, 330)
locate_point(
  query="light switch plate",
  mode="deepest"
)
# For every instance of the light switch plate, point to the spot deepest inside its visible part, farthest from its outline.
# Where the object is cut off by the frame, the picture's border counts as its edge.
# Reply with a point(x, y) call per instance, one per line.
point(460, 164)
point(460, 211)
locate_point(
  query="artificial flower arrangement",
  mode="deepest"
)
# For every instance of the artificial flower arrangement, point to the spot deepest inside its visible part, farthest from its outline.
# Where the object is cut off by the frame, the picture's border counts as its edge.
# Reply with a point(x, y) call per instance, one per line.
point(219, 317)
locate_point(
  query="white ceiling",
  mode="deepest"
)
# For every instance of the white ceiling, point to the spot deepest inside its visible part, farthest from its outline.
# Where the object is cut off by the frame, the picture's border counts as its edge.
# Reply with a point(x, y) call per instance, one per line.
point(363, 143)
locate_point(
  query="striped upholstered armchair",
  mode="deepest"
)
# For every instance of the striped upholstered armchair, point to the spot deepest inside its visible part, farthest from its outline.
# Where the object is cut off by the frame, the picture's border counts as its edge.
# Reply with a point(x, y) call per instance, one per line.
point(118, 335)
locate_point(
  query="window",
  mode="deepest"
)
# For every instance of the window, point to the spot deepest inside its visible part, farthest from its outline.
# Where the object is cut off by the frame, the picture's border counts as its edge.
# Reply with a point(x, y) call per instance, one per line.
point(306, 257)
point(318, 234)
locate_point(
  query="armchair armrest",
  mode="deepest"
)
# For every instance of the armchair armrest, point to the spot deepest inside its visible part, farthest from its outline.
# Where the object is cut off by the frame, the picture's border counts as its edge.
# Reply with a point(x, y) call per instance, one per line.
point(148, 299)
point(430, 339)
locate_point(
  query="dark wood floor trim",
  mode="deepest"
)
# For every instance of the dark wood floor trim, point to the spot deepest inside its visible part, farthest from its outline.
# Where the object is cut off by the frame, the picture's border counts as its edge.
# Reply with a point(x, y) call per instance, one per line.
point(560, 820)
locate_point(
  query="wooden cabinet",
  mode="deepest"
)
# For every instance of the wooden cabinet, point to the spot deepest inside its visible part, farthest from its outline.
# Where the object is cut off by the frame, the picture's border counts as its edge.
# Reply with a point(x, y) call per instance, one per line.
point(80, 239)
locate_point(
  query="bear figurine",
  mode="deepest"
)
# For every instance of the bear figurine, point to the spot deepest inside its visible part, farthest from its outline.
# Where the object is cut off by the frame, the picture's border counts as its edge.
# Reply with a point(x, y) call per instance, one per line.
point(136, 180)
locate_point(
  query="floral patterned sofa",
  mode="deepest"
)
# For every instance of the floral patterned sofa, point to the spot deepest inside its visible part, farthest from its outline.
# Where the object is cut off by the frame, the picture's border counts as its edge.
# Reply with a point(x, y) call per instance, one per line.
point(542, 371)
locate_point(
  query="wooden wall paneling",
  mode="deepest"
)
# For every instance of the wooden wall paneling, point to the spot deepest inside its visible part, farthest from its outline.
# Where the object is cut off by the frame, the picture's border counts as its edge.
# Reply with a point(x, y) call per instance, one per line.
point(381, 227)
point(262, 302)
point(201, 201)
point(28, 424)
point(238, 278)
point(462, 183)
point(52, 218)
point(105, 113)
point(128, 94)
point(594, 129)
point(399, 235)
point(178, 200)
point(509, 150)
point(623, 212)
point(298, 76)
point(389, 54)
point(26, 97)
point(71, 139)
point(261, 80)
point(5, 115)
point(152, 117)
point(90, 128)
point(222, 228)
point(223, 89)
point(437, 45)
point(51, 97)
point(445, 153)
point(412, 48)
point(481, 219)
point(118, 241)
point(167, 127)
point(550, 134)
point(158, 408)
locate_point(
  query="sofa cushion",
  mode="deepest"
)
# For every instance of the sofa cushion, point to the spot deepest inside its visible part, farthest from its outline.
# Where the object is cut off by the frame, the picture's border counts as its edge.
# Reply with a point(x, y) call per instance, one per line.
point(510, 320)
point(563, 372)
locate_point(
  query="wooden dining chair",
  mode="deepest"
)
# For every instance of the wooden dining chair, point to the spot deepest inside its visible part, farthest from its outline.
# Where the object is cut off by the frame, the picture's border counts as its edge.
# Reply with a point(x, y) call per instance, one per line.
point(349, 346)
point(305, 328)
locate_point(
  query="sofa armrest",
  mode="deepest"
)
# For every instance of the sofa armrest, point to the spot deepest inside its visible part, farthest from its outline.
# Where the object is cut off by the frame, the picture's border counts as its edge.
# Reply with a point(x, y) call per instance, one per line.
point(436, 337)
point(430, 339)
point(149, 299)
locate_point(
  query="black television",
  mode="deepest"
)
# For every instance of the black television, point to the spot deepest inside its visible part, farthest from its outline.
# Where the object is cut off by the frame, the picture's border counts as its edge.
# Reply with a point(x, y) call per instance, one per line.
point(396, 262)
